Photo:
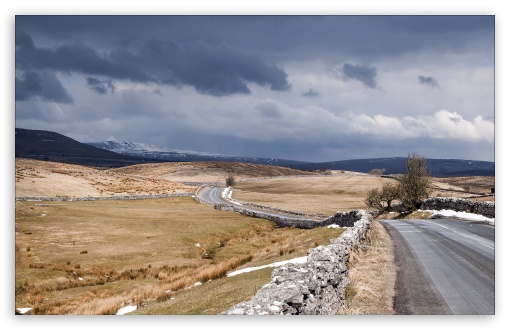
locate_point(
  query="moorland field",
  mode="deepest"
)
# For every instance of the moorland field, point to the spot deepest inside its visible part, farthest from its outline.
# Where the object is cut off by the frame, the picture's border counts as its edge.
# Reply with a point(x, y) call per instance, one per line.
point(170, 255)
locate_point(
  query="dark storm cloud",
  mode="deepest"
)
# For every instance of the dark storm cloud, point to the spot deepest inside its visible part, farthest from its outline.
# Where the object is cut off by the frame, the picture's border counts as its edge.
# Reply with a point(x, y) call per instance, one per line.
point(365, 74)
point(101, 86)
point(429, 81)
point(71, 58)
point(40, 85)
point(310, 93)
point(213, 70)
point(373, 35)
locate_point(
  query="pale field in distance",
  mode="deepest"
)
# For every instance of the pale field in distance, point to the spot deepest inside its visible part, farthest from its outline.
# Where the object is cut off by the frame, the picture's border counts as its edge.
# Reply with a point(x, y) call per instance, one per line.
point(342, 192)
point(323, 195)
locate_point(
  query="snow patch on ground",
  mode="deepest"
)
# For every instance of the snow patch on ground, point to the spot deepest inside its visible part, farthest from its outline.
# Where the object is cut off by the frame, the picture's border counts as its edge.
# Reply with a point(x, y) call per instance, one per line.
point(460, 214)
point(23, 310)
point(126, 309)
point(227, 194)
point(334, 226)
point(299, 260)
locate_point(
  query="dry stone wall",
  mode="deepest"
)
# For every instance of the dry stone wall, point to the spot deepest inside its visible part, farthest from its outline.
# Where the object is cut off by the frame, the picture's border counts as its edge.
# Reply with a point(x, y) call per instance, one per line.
point(100, 198)
point(342, 219)
point(316, 287)
point(486, 209)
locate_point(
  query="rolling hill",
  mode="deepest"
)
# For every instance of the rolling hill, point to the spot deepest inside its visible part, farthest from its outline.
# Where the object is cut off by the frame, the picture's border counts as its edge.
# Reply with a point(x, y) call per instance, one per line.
point(51, 146)
point(46, 145)
point(396, 165)
point(148, 151)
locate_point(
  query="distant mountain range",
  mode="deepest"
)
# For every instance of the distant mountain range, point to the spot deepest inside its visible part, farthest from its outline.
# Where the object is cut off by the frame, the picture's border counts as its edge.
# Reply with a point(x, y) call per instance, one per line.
point(152, 152)
point(46, 145)
point(396, 165)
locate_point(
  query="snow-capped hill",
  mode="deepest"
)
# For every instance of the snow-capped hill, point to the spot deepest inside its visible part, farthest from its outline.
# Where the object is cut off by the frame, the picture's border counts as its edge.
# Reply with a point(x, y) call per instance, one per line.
point(149, 151)
point(127, 147)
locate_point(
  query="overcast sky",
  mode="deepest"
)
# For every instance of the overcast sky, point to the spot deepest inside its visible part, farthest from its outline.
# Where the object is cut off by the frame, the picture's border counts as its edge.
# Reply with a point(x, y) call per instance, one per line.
point(312, 88)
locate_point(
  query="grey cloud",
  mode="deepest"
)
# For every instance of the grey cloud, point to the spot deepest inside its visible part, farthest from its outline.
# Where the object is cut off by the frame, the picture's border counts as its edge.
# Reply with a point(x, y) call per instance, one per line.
point(269, 110)
point(213, 70)
point(42, 85)
point(429, 81)
point(310, 93)
point(101, 86)
point(71, 58)
point(365, 74)
point(373, 35)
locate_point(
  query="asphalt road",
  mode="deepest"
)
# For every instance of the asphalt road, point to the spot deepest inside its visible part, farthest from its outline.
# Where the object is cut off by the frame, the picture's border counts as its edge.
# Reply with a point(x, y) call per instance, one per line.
point(443, 266)
point(213, 195)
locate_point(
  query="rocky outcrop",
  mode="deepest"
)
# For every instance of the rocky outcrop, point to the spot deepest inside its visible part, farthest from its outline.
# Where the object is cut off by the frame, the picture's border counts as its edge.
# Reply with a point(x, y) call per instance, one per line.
point(316, 287)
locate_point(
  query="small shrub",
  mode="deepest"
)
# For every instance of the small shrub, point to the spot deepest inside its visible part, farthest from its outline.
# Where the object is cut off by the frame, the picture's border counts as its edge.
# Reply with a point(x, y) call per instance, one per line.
point(83, 252)
point(230, 181)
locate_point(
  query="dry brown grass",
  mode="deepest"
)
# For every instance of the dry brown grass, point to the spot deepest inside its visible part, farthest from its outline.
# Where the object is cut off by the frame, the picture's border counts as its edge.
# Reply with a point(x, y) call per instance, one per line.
point(468, 186)
point(138, 251)
point(372, 276)
point(326, 195)
point(206, 171)
point(52, 179)
point(323, 195)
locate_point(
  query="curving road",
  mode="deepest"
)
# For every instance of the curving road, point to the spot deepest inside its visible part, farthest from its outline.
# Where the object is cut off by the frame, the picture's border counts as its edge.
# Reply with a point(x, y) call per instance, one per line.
point(213, 195)
point(443, 266)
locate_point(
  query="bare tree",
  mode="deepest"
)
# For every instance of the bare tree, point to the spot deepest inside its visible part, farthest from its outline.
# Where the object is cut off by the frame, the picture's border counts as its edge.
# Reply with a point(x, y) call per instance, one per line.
point(230, 181)
point(389, 193)
point(377, 171)
point(374, 200)
point(415, 182)
point(377, 198)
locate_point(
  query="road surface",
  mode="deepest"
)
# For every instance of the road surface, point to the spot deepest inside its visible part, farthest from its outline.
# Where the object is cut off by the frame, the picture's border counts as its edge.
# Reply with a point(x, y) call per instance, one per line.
point(213, 195)
point(443, 266)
